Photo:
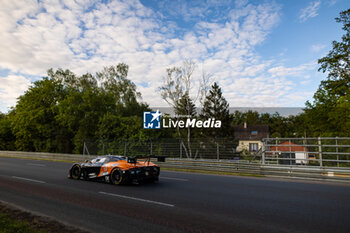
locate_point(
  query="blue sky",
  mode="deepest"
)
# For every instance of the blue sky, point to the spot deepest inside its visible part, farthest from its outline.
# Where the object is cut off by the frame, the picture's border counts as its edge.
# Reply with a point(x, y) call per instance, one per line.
point(262, 53)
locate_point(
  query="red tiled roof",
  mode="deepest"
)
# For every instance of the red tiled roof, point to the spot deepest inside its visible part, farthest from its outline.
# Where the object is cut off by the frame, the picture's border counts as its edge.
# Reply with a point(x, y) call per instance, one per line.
point(285, 147)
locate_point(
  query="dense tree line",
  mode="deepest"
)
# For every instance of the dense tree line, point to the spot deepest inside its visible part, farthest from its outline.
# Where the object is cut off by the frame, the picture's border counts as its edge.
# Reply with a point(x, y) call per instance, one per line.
point(60, 111)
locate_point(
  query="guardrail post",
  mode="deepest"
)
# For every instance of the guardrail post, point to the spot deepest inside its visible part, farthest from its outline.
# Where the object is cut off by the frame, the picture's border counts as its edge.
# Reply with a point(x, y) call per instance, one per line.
point(217, 151)
point(85, 149)
point(305, 162)
point(336, 143)
point(290, 153)
point(263, 152)
point(320, 151)
point(180, 149)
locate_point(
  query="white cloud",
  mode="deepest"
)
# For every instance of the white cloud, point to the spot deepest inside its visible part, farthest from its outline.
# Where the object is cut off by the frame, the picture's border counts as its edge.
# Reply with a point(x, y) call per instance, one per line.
point(331, 2)
point(305, 82)
point(282, 71)
point(317, 47)
point(241, 3)
point(310, 11)
point(11, 87)
point(298, 96)
point(267, 92)
point(52, 34)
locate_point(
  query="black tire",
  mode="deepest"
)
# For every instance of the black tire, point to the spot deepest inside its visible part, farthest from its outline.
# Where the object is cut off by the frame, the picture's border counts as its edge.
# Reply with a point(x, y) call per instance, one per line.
point(116, 177)
point(75, 172)
point(85, 174)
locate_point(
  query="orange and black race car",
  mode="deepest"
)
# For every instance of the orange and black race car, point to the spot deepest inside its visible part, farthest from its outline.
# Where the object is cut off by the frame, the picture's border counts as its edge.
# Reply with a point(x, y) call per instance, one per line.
point(115, 169)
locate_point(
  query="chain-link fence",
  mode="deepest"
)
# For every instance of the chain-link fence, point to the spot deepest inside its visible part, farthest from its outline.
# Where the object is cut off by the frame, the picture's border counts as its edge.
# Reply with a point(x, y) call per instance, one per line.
point(323, 152)
point(203, 148)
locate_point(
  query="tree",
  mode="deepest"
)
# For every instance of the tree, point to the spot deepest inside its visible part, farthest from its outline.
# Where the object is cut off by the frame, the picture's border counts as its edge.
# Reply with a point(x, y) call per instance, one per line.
point(337, 62)
point(114, 80)
point(87, 102)
point(180, 81)
point(7, 138)
point(185, 106)
point(34, 121)
point(216, 106)
point(329, 113)
point(178, 85)
point(60, 111)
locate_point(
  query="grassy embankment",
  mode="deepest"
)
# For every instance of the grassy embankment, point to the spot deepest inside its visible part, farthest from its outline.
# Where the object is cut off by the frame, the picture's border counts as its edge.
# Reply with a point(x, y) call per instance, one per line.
point(9, 225)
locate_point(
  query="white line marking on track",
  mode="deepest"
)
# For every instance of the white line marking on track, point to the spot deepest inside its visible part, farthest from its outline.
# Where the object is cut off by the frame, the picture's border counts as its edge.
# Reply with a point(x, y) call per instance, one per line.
point(22, 178)
point(36, 164)
point(138, 199)
point(171, 178)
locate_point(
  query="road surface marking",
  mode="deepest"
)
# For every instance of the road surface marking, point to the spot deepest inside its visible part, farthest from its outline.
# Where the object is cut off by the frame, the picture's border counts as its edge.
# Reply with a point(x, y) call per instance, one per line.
point(22, 178)
point(138, 199)
point(36, 164)
point(170, 178)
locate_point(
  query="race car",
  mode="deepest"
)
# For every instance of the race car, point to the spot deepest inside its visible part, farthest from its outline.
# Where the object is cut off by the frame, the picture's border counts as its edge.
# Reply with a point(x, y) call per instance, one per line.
point(115, 169)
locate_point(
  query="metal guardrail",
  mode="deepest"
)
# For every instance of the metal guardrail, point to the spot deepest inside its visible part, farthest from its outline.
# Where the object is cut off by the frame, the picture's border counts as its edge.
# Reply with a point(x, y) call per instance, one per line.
point(324, 151)
point(41, 155)
point(223, 166)
point(311, 172)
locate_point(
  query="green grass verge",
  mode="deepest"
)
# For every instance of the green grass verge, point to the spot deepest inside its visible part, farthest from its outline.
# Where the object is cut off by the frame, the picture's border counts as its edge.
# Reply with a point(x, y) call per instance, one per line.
point(8, 225)
point(51, 160)
point(211, 172)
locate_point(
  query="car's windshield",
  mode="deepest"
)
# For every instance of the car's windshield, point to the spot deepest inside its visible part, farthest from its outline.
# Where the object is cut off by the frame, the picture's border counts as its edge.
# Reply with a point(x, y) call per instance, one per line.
point(117, 158)
point(99, 160)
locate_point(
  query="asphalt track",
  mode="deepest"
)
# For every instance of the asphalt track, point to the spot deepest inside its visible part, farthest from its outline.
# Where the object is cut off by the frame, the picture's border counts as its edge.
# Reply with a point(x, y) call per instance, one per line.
point(179, 202)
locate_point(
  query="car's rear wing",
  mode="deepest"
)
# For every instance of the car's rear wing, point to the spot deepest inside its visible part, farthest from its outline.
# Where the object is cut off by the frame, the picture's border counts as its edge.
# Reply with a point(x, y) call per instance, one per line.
point(134, 159)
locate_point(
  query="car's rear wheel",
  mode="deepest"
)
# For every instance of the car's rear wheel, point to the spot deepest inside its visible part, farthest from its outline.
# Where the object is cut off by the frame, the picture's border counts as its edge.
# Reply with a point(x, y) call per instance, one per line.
point(75, 172)
point(116, 176)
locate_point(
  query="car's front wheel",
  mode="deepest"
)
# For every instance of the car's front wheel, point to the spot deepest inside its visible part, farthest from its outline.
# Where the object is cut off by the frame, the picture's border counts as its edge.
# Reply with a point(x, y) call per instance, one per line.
point(116, 176)
point(85, 174)
point(75, 172)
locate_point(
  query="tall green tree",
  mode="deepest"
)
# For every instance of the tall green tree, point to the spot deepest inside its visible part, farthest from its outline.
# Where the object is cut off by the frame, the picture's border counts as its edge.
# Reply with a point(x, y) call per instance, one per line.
point(215, 106)
point(180, 91)
point(87, 102)
point(62, 110)
point(114, 80)
point(329, 113)
point(7, 138)
point(34, 121)
point(185, 106)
